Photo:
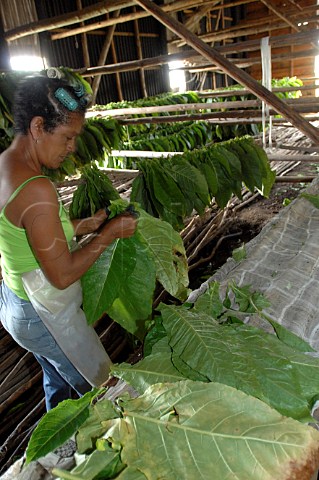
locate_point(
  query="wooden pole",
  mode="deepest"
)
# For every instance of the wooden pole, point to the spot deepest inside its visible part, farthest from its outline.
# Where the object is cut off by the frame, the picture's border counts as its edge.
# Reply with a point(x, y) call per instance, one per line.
point(103, 55)
point(254, 27)
point(117, 75)
point(280, 15)
point(85, 48)
point(139, 55)
point(244, 62)
point(236, 73)
point(245, 46)
point(86, 13)
point(92, 11)
point(303, 104)
point(174, 6)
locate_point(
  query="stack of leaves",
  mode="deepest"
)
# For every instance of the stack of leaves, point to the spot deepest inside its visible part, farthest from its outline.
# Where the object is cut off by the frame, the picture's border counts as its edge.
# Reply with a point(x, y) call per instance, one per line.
point(213, 395)
point(173, 188)
point(210, 342)
point(94, 192)
point(123, 280)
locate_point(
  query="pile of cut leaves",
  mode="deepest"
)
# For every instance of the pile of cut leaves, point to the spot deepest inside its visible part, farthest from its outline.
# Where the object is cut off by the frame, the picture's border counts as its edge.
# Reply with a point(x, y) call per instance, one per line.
point(216, 399)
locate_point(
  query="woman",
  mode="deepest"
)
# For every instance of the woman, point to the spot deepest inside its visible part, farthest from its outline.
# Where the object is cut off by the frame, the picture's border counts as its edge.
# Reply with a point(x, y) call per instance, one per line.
point(35, 231)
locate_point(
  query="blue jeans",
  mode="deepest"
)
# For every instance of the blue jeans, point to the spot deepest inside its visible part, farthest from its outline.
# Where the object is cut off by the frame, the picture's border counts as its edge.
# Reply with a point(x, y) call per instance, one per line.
point(24, 325)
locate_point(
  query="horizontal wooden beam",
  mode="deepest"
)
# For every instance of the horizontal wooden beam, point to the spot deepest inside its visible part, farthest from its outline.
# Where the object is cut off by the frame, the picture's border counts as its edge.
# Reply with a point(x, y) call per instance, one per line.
point(246, 115)
point(253, 27)
point(303, 104)
point(280, 41)
point(88, 13)
point(234, 72)
point(244, 91)
point(247, 62)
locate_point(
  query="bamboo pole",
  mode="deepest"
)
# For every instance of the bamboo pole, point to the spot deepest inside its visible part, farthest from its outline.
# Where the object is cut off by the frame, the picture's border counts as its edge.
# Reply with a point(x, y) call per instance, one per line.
point(239, 75)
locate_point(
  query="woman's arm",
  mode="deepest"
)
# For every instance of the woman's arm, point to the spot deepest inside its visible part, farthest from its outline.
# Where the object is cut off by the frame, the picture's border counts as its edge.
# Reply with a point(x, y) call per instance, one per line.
point(45, 234)
point(87, 225)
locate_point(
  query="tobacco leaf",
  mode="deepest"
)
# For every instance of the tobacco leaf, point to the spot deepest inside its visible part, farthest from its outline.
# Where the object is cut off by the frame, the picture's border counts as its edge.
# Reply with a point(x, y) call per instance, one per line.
point(193, 430)
point(246, 358)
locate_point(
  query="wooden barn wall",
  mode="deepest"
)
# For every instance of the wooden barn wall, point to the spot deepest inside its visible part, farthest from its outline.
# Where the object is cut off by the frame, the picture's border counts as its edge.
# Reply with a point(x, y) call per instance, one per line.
point(68, 52)
point(303, 67)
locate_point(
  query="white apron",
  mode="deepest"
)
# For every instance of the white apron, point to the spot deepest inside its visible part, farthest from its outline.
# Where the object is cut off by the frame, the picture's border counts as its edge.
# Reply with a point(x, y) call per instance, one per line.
point(61, 312)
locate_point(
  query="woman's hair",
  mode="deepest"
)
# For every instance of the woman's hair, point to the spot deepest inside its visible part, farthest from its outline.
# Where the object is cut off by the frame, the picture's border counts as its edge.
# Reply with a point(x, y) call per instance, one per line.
point(53, 99)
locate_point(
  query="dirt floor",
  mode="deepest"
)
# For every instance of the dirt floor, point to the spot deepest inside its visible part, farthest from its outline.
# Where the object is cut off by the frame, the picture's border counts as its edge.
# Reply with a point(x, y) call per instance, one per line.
point(249, 220)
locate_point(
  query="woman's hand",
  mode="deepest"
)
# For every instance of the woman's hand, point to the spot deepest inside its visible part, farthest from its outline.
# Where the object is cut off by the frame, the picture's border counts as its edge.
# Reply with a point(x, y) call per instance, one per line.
point(121, 226)
point(90, 224)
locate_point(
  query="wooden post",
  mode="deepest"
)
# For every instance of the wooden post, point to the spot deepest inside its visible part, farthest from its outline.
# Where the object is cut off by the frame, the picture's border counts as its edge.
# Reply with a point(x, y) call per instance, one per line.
point(139, 55)
point(117, 75)
point(85, 48)
point(103, 55)
point(239, 75)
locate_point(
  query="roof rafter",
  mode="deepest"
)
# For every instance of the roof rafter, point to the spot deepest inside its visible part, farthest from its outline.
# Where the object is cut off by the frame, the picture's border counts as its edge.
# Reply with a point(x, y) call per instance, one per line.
point(236, 73)
point(90, 12)
point(271, 7)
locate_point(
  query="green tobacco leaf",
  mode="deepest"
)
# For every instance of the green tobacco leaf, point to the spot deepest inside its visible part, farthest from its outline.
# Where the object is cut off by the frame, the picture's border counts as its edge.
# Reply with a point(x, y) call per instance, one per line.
point(102, 282)
point(192, 430)
point(156, 368)
point(155, 333)
point(249, 300)
point(167, 249)
point(235, 169)
point(254, 302)
point(239, 253)
point(190, 180)
point(117, 207)
point(209, 302)
point(133, 304)
point(122, 281)
point(99, 465)
point(165, 188)
point(246, 358)
point(224, 187)
point(93, 426)
point(57, 426)
point(314, 199)
point(131, 473)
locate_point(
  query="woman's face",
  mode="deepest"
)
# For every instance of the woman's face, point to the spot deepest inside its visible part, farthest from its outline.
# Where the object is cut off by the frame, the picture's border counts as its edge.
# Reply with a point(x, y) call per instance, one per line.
point(59, 143)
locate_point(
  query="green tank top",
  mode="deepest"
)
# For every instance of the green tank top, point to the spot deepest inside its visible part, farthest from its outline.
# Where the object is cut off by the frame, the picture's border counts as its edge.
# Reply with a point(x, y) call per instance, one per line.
point(16, 254)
